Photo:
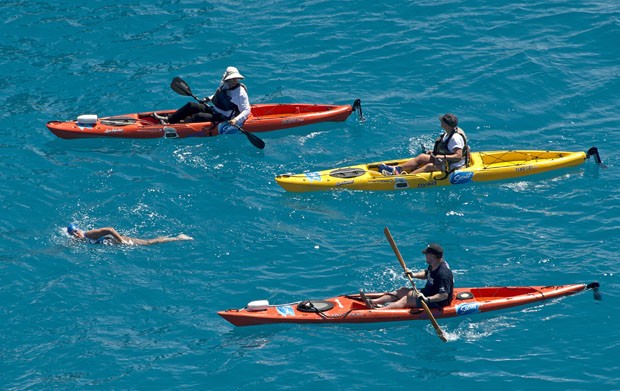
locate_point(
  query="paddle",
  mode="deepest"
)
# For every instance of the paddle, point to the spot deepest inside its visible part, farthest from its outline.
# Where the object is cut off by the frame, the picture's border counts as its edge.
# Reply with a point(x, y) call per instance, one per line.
point(179, 86)
point(254, 139)
point(415, 290)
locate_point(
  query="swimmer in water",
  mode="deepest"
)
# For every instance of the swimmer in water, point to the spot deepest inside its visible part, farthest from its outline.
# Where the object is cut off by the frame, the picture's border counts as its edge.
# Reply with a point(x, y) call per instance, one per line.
point(109, 235)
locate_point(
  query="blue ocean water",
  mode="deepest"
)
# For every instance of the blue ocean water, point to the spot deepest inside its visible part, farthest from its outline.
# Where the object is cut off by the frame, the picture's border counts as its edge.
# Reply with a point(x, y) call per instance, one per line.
point(535, 75)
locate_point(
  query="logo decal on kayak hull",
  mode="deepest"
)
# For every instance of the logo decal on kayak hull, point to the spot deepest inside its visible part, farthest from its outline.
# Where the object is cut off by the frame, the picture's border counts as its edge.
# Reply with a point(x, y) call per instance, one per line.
point(285, 310)
point(467, 308)
point(459, 178)
point(313, 176)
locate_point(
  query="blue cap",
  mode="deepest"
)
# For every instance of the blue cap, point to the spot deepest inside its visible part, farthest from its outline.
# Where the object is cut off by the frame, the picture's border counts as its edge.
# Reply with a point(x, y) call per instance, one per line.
point(71, 228)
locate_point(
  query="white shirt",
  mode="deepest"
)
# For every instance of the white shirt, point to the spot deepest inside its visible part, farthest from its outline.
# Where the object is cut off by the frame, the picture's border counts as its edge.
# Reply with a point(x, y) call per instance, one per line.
point(456, 142)
point(238, 96)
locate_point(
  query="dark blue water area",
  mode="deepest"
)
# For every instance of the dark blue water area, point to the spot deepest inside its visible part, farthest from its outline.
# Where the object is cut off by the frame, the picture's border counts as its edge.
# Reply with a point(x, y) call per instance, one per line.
point(537, 75)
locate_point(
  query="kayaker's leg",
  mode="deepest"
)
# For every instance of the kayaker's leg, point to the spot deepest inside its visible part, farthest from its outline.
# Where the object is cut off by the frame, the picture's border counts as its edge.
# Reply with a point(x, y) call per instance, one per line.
point(366, 300)
point(390, 297)
point(398, 304)
point(409, 300)
point(431, 164)
point(163, 119)
point(427, 168)
point(209, 115)
point(200, 117)
point(411, 166)
point(189, 109)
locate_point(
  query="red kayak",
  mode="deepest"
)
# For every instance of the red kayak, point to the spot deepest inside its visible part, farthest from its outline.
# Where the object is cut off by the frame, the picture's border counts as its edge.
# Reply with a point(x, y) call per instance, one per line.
point(264, 118)
point(352, 309)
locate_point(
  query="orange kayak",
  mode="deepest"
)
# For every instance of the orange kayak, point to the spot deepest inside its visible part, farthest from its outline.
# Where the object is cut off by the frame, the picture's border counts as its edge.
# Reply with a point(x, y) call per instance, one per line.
point(351, 308)
point(264, 118)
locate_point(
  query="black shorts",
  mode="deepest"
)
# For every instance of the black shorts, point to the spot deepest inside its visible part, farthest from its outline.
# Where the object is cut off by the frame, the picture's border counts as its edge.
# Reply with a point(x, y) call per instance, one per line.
point(418, 304)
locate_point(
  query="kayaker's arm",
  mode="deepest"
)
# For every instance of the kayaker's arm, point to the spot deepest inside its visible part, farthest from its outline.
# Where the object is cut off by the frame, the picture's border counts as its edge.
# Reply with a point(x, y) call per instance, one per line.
point(456, 156)
point(421, 275)
point(244, 108)
point(437, 297)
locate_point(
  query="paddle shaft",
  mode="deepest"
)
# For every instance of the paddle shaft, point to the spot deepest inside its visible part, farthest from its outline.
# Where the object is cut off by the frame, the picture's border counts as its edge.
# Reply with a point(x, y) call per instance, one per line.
point(427, 310)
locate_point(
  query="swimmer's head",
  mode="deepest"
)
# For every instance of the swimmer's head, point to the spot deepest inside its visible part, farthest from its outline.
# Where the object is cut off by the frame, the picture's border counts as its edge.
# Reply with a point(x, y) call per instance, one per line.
point(72, 228)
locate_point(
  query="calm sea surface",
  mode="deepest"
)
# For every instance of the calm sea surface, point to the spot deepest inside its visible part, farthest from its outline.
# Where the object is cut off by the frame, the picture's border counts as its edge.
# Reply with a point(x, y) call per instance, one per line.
point(533, 75)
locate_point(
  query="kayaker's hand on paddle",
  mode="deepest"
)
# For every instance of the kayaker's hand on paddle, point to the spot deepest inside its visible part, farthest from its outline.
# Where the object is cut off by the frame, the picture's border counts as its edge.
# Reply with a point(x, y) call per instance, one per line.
point(408, 273)
point(423, 298)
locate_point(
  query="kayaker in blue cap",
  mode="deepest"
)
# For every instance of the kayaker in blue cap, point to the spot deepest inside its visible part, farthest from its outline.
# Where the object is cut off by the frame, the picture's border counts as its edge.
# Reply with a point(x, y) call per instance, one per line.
point(437, 292)
point(449, 153)
point(230, 102)
point(110, 235)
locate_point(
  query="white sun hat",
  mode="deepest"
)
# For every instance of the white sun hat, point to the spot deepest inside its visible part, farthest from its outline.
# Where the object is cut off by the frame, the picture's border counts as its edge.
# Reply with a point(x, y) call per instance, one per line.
point(232, 73)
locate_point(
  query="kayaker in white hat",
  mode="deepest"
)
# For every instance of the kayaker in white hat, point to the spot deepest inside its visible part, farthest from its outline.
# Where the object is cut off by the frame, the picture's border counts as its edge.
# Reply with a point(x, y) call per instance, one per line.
point(230, 102)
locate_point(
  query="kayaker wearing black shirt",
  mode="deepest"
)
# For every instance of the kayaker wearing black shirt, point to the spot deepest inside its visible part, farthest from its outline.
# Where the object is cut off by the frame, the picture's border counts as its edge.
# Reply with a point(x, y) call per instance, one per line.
point(436, 293)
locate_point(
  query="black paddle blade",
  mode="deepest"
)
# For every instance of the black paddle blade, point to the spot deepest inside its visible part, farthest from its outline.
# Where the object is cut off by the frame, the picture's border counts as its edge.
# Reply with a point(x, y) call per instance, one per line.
point(254, 139)
point(179, 86)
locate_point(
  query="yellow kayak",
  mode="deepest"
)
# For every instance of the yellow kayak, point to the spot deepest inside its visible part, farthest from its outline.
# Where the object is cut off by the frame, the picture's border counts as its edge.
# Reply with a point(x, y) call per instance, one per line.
point(483, 167)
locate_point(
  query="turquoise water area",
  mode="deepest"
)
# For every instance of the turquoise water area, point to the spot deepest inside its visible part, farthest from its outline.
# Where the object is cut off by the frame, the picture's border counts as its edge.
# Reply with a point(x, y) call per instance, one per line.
point(535, 75)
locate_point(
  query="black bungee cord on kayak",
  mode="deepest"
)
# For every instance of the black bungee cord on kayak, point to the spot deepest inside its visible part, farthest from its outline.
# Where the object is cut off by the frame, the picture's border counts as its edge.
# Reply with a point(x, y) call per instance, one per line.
point(308, 306)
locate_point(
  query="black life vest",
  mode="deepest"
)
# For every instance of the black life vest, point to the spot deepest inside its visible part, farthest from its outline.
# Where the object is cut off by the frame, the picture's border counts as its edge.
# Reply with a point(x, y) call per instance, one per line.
point(223, 101)
point(441, 146)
